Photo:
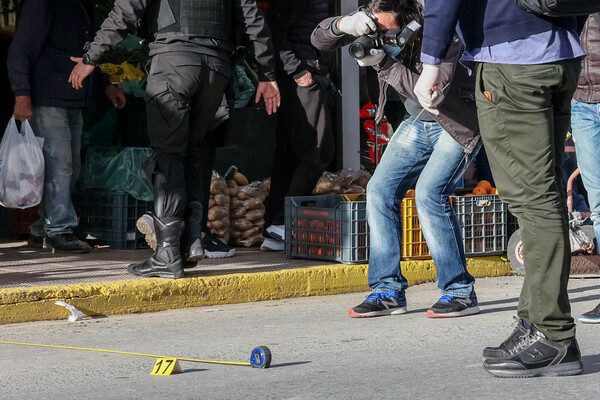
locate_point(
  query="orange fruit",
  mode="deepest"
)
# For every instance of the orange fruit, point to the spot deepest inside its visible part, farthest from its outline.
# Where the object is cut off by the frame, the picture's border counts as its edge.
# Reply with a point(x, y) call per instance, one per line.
point(479, 191)
point(494, 191)
point(410, 193)
point(486, 185)
point(469, 194)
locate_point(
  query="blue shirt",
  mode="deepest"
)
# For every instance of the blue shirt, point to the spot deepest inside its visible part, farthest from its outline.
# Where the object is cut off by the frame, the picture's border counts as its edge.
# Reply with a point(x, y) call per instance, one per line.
point(540, 48)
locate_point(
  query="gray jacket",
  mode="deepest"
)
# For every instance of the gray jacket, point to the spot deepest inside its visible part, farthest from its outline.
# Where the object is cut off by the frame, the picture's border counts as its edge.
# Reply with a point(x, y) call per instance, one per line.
point(457, 112)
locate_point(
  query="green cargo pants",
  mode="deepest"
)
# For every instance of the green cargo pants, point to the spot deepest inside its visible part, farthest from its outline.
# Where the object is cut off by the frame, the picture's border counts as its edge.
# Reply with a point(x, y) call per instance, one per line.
point(524, 113)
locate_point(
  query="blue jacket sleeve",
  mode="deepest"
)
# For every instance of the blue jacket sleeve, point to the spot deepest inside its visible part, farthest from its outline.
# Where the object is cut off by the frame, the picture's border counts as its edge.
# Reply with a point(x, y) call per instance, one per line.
point(440, 19)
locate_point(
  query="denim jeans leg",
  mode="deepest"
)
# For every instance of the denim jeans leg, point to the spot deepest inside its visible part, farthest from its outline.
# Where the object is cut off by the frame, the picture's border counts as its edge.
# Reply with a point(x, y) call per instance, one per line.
point(56, 125)
point(585, 123)
point(404, 158)
point(438, 220)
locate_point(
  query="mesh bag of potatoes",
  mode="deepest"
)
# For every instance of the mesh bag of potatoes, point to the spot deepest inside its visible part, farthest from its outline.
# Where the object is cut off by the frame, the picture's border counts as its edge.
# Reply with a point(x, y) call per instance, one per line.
point(342, 182)
point(218, 207)
point(247, 210)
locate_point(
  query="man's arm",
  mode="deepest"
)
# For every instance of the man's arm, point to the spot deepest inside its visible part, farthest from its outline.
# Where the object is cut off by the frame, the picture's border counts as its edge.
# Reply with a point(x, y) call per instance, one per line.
point(122, 19)
point(439, 22)
point(327, 37)
point(285, 13)
point(33, 27)
point(252, 21)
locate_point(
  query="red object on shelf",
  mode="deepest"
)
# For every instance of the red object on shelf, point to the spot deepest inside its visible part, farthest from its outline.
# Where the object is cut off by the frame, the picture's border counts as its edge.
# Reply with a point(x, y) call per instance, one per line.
point(263, 4)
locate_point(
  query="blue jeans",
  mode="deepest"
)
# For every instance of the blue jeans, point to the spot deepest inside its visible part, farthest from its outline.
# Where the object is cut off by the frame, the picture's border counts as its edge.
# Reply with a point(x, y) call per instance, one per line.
point(61, 129)
point(424, 153)
point(585, 124)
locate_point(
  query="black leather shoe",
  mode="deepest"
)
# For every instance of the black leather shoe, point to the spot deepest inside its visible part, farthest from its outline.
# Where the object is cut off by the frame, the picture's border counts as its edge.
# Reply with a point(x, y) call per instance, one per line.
point(166, 261)
point(35, 241)
point(502, 350)
point(67, 243)
point(534, 355)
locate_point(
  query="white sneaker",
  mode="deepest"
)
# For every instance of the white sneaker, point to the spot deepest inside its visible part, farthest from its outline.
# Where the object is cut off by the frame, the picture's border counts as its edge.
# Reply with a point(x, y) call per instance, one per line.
point(277, 232)
point(145, 225)
point(272, 245)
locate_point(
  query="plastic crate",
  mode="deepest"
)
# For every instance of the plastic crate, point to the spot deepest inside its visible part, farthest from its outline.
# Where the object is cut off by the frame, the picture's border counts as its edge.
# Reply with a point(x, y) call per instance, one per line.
point(483, 220)
point(513, 224)
point(413, 241)
point(111, 216)
point(326, 228)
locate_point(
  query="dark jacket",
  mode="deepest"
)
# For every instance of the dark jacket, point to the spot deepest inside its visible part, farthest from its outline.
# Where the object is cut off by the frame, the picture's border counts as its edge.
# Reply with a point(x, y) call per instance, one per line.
point(292, 23)
point(457, 112)
point(481, 23)
point(588, 87)
point(126, 16)
point(48, 33)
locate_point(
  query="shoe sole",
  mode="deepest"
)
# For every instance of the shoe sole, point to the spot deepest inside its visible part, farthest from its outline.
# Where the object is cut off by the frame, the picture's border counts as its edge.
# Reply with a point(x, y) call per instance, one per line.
point(586, 320)
point(53, 250)
point(467, 311)
point(144, 227)
point(219, 254)
point(166, 275)
point(195, 258)
point(267, 248)
point(392, 311)
point(567, 369)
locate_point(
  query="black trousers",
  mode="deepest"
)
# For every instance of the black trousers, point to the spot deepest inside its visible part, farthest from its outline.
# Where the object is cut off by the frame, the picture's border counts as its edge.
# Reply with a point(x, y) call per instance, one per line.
point(304, 143)
point(184, 91)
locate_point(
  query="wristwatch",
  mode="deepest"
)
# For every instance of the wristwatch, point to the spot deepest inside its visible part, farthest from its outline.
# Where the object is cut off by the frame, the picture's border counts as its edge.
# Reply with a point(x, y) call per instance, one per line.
point(86, 60)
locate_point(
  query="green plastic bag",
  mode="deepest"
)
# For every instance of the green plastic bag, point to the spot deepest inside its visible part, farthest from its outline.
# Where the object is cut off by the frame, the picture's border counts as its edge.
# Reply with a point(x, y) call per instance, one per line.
point(113, 168)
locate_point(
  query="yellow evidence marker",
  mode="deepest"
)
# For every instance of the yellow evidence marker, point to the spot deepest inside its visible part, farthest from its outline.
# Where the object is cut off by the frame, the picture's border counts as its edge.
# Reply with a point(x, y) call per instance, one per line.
point(166, 366)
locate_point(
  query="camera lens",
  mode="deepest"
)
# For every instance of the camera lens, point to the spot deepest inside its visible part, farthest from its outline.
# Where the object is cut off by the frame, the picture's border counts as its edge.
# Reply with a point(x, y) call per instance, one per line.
point(357, 50)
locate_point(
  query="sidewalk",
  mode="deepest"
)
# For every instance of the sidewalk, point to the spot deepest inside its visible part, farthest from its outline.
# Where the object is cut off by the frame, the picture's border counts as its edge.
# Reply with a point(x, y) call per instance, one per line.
point(31, 281)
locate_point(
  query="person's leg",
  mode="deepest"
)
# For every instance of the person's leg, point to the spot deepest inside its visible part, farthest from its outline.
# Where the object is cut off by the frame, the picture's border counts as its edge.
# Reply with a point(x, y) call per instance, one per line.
point(171, 85)
point(200, 156)
point(405, 157)
point(523, 122)
point(309, 135)
point(284, 159)
point(58, 127)
point(585, 123)
point(440, 225)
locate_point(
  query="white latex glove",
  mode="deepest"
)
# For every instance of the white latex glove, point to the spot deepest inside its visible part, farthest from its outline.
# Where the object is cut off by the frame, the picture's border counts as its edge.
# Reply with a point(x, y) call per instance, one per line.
point(427, 91)
point(357, 24)
point(375, 56)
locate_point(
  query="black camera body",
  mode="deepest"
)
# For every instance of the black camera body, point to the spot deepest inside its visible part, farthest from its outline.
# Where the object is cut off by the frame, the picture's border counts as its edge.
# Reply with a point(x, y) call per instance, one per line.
point(362, 46)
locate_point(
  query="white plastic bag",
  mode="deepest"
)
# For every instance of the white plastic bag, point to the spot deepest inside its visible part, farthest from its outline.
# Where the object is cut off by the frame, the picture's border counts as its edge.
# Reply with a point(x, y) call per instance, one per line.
point(21, 167)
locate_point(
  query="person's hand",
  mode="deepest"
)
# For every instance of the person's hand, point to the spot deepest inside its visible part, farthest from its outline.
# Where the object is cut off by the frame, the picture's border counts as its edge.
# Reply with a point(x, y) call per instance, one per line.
point(305, 80)
point(269, 91)
point(357, 24)
point(427, 88)
point(374, 57)
point(23, 110)
point(116, 95)
point(79, 73)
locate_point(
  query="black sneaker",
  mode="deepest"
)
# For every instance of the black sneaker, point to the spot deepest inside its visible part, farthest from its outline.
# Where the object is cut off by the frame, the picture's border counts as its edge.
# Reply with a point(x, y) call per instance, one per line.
point(534, 355)
point(214, 248)
point(67, 243)
point(378, 304)
point(449, 306)
point(502, 350)
point(35, 241)
point(591, 317)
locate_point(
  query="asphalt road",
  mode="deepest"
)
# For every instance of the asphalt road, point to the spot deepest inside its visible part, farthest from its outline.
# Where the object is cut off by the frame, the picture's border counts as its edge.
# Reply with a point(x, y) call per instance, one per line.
point(318, 352)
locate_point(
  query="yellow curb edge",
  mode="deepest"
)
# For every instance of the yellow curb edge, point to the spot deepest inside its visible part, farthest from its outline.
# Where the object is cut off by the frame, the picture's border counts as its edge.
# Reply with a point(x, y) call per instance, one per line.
point(146, 295)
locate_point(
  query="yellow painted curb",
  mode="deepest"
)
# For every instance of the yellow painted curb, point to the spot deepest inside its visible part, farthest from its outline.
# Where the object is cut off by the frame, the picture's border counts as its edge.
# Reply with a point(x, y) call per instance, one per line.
point(142, 295)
